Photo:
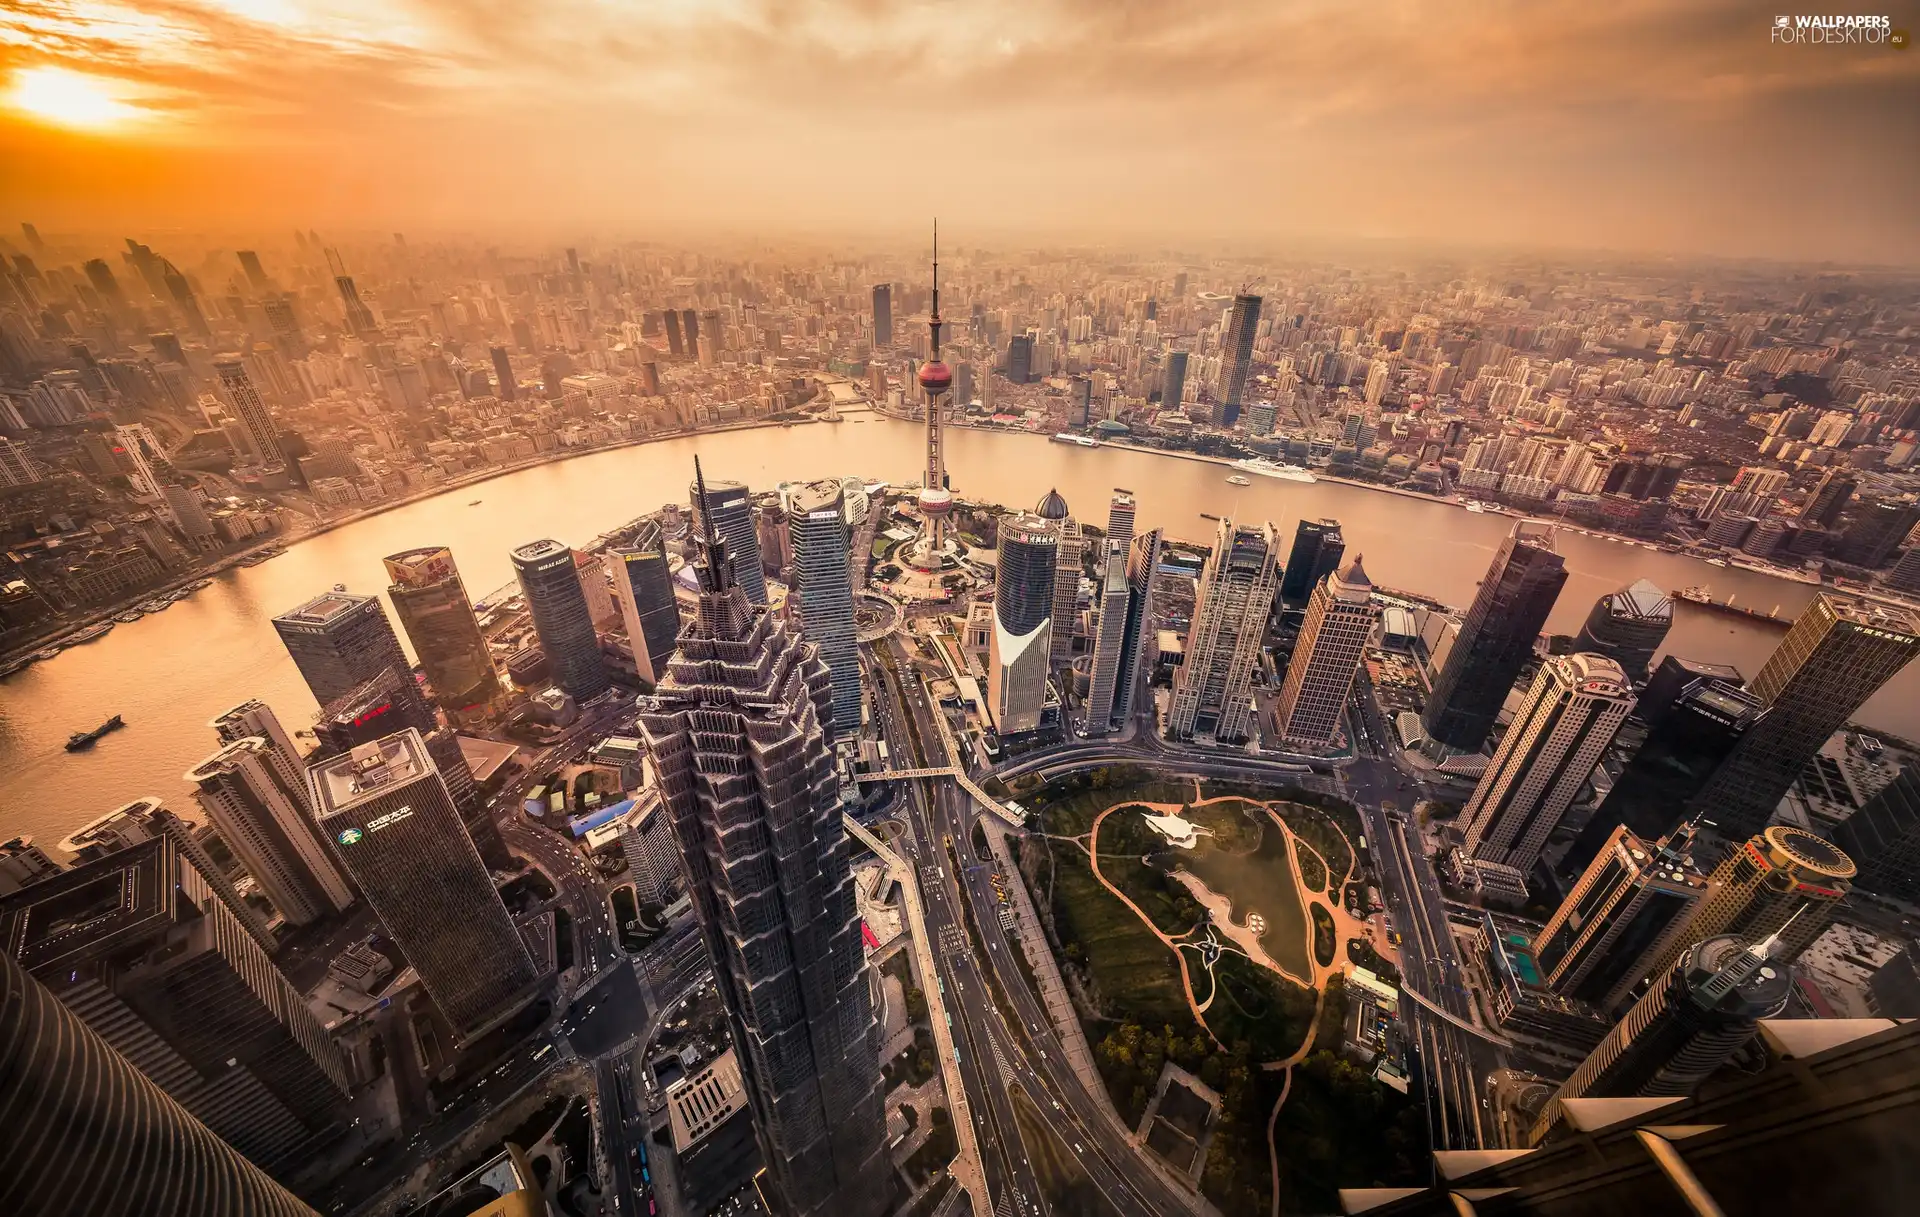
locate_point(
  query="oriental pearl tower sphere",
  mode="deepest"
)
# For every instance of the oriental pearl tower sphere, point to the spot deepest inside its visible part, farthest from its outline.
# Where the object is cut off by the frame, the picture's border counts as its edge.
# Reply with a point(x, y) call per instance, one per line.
point(935, 501)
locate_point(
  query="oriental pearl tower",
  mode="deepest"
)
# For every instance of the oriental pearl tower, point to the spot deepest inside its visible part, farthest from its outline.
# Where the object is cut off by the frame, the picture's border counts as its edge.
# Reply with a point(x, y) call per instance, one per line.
point(936, 501)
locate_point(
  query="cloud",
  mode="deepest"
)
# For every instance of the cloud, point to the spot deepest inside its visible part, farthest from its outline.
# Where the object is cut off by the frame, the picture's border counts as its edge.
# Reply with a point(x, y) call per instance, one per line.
point(1627, 124)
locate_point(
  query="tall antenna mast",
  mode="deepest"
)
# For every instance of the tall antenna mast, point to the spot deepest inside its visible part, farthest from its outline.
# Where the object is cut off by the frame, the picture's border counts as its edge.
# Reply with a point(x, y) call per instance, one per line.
point(935, 320)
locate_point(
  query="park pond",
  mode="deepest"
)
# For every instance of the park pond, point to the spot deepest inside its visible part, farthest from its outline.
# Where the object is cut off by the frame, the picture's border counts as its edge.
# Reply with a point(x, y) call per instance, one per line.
point(1253, 883)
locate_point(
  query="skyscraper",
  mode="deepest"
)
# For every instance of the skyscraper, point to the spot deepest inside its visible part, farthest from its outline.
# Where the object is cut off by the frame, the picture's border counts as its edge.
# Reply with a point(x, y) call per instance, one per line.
point(339, 641)
point(261, 813)
point(1120, 513)
point(504, 385)
point(146, 818)
point(737, 734)
point(882, 316)
point(1634, 897)
point(1878, 530)
point(1830, 497)
point(1702, 1011)
point(1783, 875)
point(1496, 638)
point(1837, 655)
point(675, 346)
point(254, 717)
point(1681, 751)
point(378, 709)
point(1109, 637)
point(551, 584)
point(139, 947)
point(1316, 553)
point(360, 322)
point(643, 585)
point(181, 292)
point(256, 274)
point(1066, 578)
point(432, 604)
point(1173, 384)
point(1885, 836)
point(822, 595)
point(100, 1137)
point(1333, 640)
point(397, 832)
point(1628, 626)
point(1020, 358)
point(1211, 698)
point(1135, 647)
point(732, 509)
point(245, 398)
point(1570, 715)
point(1236, 359)
point(1019, 647)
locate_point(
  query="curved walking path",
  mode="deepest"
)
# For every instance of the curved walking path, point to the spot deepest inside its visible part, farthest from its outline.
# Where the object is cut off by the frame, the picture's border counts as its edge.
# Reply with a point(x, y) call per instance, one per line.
point(1346, 927)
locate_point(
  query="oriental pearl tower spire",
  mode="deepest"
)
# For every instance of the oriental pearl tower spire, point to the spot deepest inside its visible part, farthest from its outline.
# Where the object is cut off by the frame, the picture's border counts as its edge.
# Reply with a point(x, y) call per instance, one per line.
point(936, 501)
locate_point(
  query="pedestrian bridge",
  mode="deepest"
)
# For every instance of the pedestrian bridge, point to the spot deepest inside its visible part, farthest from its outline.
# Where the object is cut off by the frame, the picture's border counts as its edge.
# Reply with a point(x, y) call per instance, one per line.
point(1433, 1007)
point(949, 771)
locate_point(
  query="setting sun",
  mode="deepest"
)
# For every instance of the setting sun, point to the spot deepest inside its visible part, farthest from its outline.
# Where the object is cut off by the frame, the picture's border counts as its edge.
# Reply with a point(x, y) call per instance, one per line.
point(71, 99)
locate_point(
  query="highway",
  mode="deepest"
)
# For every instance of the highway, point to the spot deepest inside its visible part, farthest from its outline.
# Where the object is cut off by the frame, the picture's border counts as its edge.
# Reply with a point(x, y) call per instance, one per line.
point(1450, 1061)
point(1031, 1054)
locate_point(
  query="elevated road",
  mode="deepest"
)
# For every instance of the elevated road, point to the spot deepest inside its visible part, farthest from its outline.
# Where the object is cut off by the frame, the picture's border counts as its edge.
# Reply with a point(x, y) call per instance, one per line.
point(966, 1168)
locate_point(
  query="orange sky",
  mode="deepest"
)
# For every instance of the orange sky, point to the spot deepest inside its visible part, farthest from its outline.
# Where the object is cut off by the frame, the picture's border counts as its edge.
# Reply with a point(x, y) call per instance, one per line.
point(1626, 124)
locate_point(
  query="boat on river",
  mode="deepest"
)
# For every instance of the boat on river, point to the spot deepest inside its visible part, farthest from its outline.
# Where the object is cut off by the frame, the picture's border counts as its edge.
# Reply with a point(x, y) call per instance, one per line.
point(1274, 469)
point(80, 740)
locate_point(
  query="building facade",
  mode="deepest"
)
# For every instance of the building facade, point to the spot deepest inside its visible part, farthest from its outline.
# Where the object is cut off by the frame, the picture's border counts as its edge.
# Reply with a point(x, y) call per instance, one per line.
point(431, 602)
point(1884, 835)
point(1019, 652)
point(1496, 638)
point(1211, 698)
point(732, 509)
point(1340, 619)
point(161, 970)
point(1623, 909)
point(1783, 875)
point(1838, 654)
point(1692, 736)
point(1316, 553)
point(101, 1135)
point(737, 735)
point(550, 581)
point(1571, 714)
point(1704, 1010)
point(399, 835)
point(340, 641)
point(1628, 627)
point(1236, 359)
point(822, 594)
point(643, 586)
point(254, 800)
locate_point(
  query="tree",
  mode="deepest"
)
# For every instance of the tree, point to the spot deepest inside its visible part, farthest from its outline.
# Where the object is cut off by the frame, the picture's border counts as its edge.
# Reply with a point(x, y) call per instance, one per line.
point(916, 1005)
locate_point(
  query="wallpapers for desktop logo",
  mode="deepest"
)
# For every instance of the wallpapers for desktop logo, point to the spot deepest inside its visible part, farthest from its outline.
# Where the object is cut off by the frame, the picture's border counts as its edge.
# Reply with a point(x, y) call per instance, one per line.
point(1838, 30)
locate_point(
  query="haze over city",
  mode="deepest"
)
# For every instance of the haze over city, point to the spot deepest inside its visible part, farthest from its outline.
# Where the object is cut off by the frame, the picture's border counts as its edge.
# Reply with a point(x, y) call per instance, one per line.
point(1636, 126)
point(722, 608)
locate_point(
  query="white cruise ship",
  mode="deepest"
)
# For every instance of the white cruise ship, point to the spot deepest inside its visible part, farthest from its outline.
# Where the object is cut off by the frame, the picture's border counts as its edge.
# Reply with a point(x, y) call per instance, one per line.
point(1273, 469)
point(1085, 441)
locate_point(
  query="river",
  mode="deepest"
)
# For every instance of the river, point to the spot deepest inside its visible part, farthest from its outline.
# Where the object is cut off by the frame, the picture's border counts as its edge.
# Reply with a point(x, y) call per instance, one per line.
point(169, 673)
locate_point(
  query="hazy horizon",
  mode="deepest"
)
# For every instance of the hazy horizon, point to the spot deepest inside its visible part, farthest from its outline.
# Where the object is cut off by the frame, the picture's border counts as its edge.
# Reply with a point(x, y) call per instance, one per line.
point(1645, 130)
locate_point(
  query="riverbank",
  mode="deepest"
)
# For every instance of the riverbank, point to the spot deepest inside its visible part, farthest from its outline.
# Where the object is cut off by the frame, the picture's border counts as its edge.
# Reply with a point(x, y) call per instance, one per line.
point(62, 633)
point(1838, 585)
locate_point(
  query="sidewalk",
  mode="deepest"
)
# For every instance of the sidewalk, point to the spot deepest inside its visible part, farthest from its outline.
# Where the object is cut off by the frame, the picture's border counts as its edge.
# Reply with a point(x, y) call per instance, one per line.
point(1046, 969)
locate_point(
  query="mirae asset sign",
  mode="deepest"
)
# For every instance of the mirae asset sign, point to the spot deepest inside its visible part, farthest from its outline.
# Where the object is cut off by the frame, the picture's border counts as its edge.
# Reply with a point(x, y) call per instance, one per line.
point(1855, 30)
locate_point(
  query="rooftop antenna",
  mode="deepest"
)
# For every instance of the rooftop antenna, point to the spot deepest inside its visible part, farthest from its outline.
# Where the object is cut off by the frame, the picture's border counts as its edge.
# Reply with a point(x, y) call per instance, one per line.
point(935, 320)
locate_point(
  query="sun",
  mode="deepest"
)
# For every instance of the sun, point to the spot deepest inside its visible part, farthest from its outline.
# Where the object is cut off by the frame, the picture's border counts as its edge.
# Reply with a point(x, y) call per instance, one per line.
point(71, 99)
